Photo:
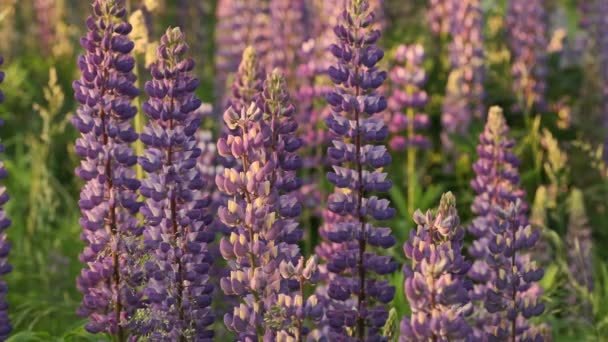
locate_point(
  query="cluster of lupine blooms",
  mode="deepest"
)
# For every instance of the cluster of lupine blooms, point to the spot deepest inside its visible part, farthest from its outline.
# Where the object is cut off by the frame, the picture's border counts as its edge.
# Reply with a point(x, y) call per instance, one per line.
point(153, 244)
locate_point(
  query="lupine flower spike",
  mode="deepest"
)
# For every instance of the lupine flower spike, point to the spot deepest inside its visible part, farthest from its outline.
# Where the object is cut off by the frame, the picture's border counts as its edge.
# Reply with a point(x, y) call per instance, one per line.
point(177, 222)
point(248, 81)
point(5, 247)
point(358, 308)
point(435, 283)
point(108, 200)
point(464, 94)
point(407, 100)
point(290, 309)
point(261, 209)
point(505, 278)
point(527, 35)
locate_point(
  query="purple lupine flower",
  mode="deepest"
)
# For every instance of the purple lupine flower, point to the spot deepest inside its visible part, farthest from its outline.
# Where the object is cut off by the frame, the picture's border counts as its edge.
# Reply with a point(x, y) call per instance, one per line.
point(355, 105)
point(177, 222)
point(279, 114)
point(108, 200)
point(284, 144)
point(512, 295)
point(464, 93)
point(505, 278)
point(262, 209)
point(296, 309)
point(326, 250)
point(240, 23)
point(527, 37)
point(5, 246)
point(435, 283)
point(580, 248)
point(439, 16)
point(408, 97)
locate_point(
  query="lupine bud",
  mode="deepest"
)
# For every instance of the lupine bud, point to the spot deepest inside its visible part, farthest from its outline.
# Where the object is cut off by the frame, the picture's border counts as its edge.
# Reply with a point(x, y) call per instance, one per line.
point(407, 99)
point(358, 298)
point(580, 249)
point(5, 246)
point(262, 209)
point(505, 277)
point(248, 82)
point(108, 200)
point(435, 283)
point(177, 220)
point(527, 36)
point(464, 94)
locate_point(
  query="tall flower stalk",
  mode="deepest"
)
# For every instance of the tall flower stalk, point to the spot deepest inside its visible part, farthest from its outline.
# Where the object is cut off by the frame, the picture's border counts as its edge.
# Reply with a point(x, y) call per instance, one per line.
point(464, 94)
point(408, 98)
point(505, 278)
point(261, 208)
point(527, 36)
point(177, 221)
point(436, 284)
point(5, 246)
point(108, 200)
point(358, 308)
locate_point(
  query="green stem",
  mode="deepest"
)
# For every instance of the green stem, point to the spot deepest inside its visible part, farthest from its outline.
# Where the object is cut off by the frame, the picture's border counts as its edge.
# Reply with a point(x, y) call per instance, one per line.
point(411, 164)
point(138, 123)
point(534, 144)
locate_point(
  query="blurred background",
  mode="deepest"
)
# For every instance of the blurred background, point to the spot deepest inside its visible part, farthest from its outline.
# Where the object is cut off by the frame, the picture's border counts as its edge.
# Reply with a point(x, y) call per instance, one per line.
point(560, 148)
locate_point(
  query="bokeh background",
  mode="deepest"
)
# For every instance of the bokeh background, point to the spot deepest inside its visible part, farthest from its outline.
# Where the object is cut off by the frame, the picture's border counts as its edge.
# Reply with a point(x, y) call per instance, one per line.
point(560, 148)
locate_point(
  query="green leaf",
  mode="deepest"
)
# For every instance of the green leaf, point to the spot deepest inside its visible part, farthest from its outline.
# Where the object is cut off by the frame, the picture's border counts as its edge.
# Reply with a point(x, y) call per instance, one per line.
point(550, 278)
point(399, 200)
point(431, 196)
